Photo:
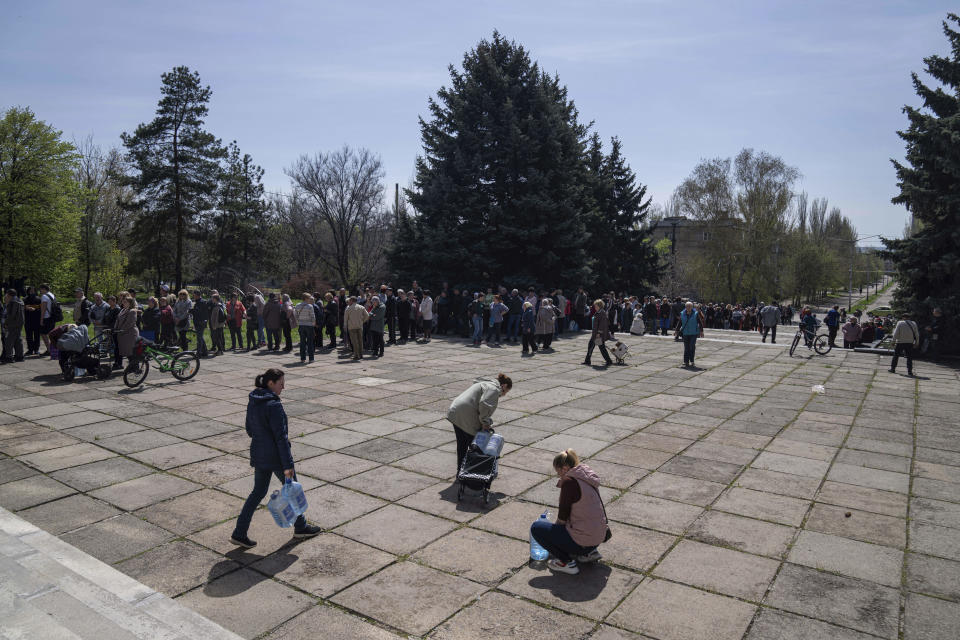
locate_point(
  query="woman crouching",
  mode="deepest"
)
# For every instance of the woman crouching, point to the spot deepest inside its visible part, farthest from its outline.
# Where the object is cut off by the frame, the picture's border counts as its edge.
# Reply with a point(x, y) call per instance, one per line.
point(581, 520)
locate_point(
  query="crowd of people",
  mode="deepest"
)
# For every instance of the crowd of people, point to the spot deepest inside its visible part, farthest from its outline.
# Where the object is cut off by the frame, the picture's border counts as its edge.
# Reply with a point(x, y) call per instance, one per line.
point(368, 318)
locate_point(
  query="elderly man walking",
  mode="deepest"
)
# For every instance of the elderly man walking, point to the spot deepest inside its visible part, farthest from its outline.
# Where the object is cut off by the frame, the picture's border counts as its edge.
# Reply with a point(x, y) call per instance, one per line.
point(353, 319)
point(769, 317)
point(906, 336)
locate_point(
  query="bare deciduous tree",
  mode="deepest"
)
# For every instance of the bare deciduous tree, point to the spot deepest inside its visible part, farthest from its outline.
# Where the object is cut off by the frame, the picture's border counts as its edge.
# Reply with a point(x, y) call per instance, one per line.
point(337, 207)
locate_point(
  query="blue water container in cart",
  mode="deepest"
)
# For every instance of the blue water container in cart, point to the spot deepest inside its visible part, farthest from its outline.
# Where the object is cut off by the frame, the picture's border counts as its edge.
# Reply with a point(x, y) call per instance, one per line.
point(293, 492)
point(281, 510)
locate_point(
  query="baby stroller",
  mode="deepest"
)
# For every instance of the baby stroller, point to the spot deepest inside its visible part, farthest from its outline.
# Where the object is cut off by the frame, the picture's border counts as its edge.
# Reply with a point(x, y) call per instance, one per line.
point(479, 466)
point(89, 359)
point(620, 351)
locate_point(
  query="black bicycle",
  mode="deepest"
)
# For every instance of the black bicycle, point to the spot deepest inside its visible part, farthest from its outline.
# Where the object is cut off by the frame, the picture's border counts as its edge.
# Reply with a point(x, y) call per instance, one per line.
point(820, 342)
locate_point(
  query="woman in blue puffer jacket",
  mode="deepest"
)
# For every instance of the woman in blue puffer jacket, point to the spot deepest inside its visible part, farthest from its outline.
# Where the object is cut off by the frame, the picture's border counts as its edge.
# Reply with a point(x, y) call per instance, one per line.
point(269, 453)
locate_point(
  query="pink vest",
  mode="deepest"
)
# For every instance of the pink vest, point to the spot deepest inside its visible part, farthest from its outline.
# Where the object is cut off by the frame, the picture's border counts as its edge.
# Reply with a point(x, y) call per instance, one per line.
point(587, 524)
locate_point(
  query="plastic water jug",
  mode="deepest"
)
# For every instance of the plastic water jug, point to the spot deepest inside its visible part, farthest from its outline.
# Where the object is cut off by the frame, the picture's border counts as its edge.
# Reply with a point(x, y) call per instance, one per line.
point(537, 552)
point(281, 510)
point(293, 492)
point(494, 445)
point(481, 439)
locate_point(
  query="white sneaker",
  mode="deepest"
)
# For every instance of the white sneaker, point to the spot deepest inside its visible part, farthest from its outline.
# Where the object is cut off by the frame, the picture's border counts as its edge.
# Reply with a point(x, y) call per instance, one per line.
point(569, 567)
point(593, 556)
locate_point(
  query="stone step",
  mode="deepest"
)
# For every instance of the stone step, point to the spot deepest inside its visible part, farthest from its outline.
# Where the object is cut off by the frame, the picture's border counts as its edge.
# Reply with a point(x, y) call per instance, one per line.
point(49, 589)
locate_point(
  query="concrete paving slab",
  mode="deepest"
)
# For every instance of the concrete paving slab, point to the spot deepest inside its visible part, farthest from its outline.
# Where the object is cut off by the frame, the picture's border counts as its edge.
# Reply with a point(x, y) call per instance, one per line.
point(409, 597)
point(661, 609)
point(476, 555)
point(743, 534)
point(933, 576)
point(717, 569)
point(145, 490)
point(246, 602)
point(500, 616)
point(323, 565)
point(117, 538)
point(176, 567)
point(335, 623)
point(396, 529)
point(592, 593)
point(858, 604)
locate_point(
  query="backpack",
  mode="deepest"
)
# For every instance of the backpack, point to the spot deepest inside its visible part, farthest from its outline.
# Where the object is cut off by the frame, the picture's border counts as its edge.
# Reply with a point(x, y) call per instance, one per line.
point(221, 314)
point(56, 311)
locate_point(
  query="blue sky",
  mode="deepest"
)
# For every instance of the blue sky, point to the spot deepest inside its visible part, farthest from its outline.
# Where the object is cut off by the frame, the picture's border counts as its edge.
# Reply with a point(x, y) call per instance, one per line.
point(819, 83)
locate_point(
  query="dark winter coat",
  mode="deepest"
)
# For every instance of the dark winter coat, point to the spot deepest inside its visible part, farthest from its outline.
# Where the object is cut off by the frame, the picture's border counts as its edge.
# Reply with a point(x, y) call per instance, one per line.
point(267, 428)
point(273, 315)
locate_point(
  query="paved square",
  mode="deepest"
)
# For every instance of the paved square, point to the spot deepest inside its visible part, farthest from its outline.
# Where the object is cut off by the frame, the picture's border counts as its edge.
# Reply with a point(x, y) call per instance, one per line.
point(726, 487)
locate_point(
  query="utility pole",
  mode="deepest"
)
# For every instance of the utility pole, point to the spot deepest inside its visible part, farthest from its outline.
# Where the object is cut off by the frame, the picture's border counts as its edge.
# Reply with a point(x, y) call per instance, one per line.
point(396, 202)
point(853, 248)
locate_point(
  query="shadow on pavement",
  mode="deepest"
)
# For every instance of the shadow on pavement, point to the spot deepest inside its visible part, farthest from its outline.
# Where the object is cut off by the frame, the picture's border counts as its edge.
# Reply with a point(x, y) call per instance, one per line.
point(583, 587)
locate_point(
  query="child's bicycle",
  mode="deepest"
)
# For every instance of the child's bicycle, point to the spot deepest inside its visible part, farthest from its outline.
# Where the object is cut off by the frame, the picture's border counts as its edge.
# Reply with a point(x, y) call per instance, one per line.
point(182, 364)
point(821, 343)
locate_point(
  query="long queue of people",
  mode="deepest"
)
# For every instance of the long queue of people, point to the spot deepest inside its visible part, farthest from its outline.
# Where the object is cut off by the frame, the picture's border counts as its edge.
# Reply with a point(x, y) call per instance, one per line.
point(373, 317)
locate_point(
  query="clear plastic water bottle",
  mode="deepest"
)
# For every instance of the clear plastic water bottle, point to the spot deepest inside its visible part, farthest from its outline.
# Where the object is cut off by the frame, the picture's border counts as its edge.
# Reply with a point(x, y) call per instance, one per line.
point(481, 439)
point(494, 445)
point(538, 553)
point(281, 510)
point(293, 492)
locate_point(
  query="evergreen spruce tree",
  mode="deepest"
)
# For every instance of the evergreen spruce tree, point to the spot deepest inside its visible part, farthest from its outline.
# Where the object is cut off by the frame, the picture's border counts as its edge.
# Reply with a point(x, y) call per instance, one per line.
point(928, 262)
point(624, 257)
point(501, 185)
point(176, 165)
point(237, 234)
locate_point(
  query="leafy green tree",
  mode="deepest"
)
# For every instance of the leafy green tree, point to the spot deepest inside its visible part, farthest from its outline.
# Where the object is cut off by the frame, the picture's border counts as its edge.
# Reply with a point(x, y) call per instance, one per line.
point(176, 170)
point(501, 187)
point(100, 263)
point(928, 262)
point(623, 259)
point(39, 199)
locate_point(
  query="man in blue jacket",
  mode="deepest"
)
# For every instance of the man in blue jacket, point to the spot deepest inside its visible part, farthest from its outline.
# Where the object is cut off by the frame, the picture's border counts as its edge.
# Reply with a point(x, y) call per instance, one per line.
point(833, 324)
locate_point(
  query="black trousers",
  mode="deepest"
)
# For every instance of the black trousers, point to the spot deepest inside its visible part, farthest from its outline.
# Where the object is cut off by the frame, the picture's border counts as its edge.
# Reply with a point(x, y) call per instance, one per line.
point(463, 442)
point(332, 334)
point(392, 329)
point(251, 335)
point(376, 343)
point(404, 328)
point(287, 338)
point(603, 352)
point(236, 336)
point(33, 338)
point(529, 342)
point(832, 332)
point(773, 330)
point(903, 349)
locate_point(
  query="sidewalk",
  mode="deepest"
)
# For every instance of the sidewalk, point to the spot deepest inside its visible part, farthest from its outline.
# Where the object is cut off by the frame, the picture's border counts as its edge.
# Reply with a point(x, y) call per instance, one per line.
point(728, 487)
point(52, 590)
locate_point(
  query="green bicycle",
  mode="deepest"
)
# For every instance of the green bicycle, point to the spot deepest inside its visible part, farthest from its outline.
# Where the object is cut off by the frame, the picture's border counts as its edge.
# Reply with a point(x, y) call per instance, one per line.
point(183, 365)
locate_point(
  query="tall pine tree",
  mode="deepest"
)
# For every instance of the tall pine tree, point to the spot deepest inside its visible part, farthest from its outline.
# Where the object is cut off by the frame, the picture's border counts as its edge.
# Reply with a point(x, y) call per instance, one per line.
point(238, 231)
point(624, 258)
point(176, 168)
point(928, 262)
point(501, 187)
